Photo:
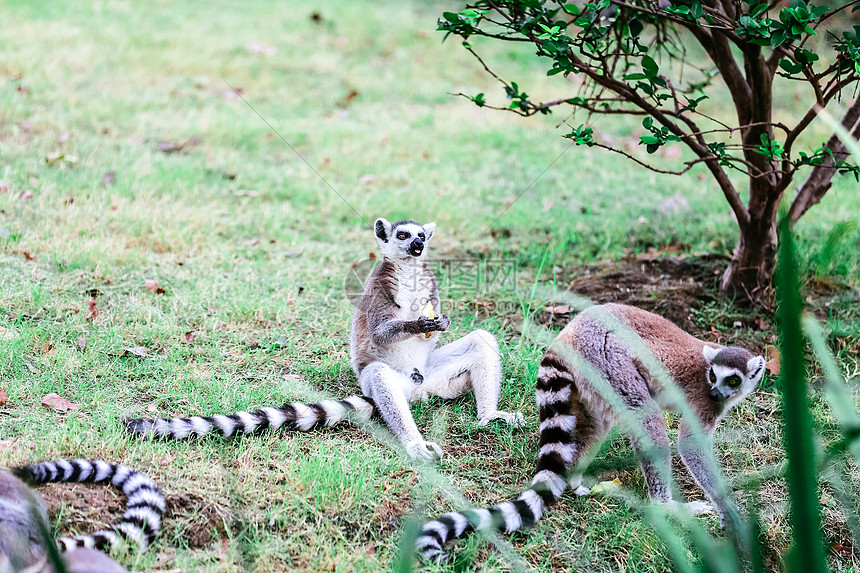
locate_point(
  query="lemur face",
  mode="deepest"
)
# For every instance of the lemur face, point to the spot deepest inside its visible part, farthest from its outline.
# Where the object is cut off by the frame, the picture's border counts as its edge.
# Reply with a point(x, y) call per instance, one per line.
point(403, 239)
point(733, 373)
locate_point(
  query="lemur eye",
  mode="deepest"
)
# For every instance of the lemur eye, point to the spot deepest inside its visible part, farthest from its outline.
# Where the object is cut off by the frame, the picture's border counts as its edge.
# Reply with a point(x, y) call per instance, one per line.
point(421, 236)
point(402, 236)
point(713, 377)
point(733, 381)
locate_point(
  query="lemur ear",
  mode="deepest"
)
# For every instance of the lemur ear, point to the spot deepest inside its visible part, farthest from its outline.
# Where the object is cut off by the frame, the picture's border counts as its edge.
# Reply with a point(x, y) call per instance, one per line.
point(755, 367)
point(382, 228)
point(428, 230)
point(709, 352)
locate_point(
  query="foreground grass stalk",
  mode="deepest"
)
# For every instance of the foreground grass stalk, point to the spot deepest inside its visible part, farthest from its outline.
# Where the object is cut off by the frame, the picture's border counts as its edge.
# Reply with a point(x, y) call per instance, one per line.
point(807, 556)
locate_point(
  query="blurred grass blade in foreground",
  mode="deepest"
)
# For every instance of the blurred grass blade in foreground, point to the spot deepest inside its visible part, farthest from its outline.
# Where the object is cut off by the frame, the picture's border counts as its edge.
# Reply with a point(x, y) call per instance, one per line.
point(807, 555)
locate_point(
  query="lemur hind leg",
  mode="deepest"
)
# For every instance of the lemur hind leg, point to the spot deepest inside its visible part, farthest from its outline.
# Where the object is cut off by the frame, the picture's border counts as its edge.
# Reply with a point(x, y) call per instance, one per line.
point(472, 361)
point(391, 391)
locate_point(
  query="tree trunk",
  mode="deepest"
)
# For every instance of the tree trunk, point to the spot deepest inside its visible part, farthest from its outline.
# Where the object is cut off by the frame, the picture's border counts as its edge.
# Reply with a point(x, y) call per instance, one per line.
point(748, 277)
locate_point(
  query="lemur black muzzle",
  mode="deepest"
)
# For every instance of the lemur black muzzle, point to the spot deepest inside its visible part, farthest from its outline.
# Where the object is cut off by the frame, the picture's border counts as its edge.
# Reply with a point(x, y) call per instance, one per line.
point(717, 396)
point(416, 247)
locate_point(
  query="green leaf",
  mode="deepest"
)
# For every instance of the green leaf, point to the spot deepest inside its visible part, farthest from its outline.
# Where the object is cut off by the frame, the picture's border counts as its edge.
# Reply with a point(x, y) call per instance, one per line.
point(649, 66)
point(648, 122)
point(696, 10)
point(636, 76)
point(650, 140)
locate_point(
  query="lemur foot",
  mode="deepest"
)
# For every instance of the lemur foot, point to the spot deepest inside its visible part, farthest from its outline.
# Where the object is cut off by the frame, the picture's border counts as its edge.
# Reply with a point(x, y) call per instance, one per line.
point(581, 491)
point(515, 419)
point(699, 507)
point(421, 450)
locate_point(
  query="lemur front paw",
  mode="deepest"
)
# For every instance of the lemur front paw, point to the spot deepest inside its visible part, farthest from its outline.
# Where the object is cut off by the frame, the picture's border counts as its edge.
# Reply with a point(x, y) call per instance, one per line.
point(443, 322)
point(421, 450)
point(426, 324)
point(515, 419)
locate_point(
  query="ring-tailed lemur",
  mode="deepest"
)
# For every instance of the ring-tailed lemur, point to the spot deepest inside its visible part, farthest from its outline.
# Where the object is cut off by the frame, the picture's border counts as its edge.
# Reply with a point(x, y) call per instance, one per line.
point(575, 419)
point(393, 341)
point(393, 352)
point(24, 517)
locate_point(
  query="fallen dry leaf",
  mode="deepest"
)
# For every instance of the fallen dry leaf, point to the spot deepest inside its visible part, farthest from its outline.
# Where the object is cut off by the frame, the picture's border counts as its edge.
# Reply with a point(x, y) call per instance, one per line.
point(233, 94)
point(26, 194)
point(773, 363)
point(168, 147)
point(47, 347)
point(3, 397)
point(606, 486)
point(261, 49)
point(167, 459)
point(189, 336)
point(137, 351)
point(4, 187)
point(8, 333)
point(29, 258)
point(58, 403)
point(152, 286)
point(58, 156)
point(92, 311)
point(81, 343)
point(108, 178)
point(252, 242)
point(560, 309)
point(371, 257)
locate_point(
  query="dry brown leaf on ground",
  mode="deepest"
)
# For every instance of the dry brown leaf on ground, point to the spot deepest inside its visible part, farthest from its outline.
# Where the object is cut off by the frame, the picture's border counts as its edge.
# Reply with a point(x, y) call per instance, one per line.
point(26, 194)
point(3, 397)
point(189, 336)
point(108, 178)
point(137, 351)
point(152, 286)
point(560, 309)
point(261, 49)
point(81, 343)
point(58, 403)
point(92, 311)
point(4, 187)
point(7, 333)
point(773, 362)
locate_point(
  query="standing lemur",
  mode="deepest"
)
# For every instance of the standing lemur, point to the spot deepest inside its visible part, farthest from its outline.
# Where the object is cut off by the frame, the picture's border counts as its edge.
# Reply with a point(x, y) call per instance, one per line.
point(393, 351)
point(575, 418)
point(24, 517)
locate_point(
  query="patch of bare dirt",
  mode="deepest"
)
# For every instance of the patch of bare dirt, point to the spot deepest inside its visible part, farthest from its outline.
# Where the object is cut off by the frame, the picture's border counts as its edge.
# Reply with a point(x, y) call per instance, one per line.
point(200, 521)
point(668, 286)
point(82, 507)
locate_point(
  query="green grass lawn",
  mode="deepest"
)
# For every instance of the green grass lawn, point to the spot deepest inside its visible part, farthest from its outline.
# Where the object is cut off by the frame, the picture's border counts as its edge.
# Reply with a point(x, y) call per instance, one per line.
point(252, 243)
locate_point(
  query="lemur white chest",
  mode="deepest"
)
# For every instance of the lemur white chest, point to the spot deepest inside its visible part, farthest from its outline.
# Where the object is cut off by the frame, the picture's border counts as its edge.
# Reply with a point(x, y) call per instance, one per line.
point(413, 290)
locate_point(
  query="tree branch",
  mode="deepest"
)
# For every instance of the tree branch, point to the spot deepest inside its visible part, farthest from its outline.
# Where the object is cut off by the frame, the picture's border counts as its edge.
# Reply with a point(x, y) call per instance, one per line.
point(821, 176)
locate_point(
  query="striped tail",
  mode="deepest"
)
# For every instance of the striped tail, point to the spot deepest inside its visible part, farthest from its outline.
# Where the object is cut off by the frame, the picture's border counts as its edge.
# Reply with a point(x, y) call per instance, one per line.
point(295, 416)
point(144, 508)
point(508, 516)
point(563, 426)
